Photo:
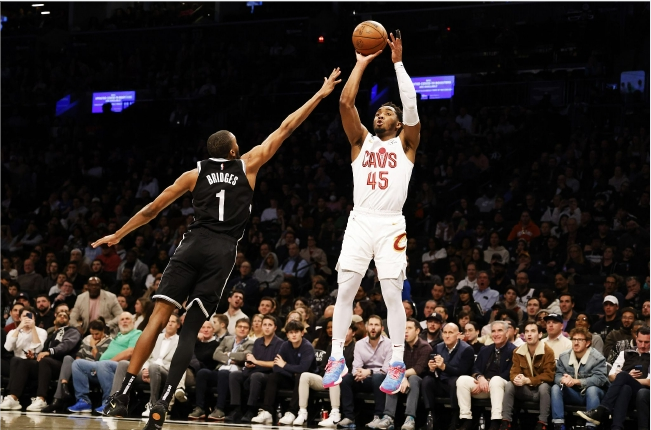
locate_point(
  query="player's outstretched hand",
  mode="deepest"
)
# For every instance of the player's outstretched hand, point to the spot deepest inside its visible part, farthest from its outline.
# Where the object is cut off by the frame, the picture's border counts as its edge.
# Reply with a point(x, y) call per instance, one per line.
point(395, 43)
point(330, 83)
point(366, 59)
point(111, 240)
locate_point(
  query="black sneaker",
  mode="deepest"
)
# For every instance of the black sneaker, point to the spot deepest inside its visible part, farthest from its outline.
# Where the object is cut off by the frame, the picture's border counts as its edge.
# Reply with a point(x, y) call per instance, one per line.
point(541, 426)
point(465, 424)
point(594, 416)
point(495, 425)
point(505, 425)
point(157, 416)
point(58, 406)
point(248, 416)
point(234, 417)
point(117, 406)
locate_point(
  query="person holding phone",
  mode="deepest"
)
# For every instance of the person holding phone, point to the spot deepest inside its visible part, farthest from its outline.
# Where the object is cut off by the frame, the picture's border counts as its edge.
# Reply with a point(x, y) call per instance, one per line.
point(628, 376)
point(26, 341)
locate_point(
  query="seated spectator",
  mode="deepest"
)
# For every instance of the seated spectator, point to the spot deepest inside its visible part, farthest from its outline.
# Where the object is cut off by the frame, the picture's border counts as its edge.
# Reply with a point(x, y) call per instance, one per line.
point(230, 355)
point(635, 296)
point(220, 327)
point(566, 303)
point(370, 364)
point(294, 357)
point(30, 281)
point(26, 341)
point(583, 320)
point(531, 377)
point(315, 381)
point(581, 377)
point(62, 343)
point(471, 336)
point(267, 306)
point(245, 282)
point(51, 276)
point(294, 267)
point(510, 302)
point(525, 229)
point(628, 376)
point(110, 259)
point(234, 312)
point(490, 374)
point(139, 270)
point(204, 349)
point(65, 295)
point(428, 309)
point(416, 358)
point(483, 294)
point(55, 288)
point(321, 299)
point(82, 266)
point(500, 280)
point(102, 371)
point(628, 316)
point(91, 349)
point(533, 306)
point(93, 304)
point(555, 339)
point(471, 277)
point(285, 299)
point(270, 276)
point(97, 269)
point(466, 302)
point(316, 257)
point(611, 320)
point(155, 370)
point(258, 366)
point(611, 286)
point(144, 308)
point(449, 359)
point(256, 327)
point(76, 278)
point(44, 313)
point(153, 287)
point(549, 302)
point(15, 312)
point(494, 247)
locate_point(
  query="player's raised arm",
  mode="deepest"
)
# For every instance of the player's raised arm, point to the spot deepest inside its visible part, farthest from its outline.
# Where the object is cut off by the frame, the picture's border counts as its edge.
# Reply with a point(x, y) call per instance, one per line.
point(410, 120)
point(353, 127)
point(182, 185)
point(262, 153)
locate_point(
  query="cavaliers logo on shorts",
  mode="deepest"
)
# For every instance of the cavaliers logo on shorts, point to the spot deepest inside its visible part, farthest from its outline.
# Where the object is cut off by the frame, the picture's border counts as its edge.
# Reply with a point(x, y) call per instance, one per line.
point(400, 242)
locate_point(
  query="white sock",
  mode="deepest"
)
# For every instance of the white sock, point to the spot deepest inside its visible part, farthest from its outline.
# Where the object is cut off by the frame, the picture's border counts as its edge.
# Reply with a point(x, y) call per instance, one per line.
point(334, 411)
point(338, 348)
point(302, 411)
point(397, 353)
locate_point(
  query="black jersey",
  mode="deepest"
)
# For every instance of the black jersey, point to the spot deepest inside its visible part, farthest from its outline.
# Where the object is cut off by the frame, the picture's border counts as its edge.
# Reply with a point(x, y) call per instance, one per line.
point(222, 197)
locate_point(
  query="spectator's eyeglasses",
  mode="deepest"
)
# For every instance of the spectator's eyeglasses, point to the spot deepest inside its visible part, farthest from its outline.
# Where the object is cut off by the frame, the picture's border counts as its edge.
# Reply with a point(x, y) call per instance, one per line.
point(577, 340)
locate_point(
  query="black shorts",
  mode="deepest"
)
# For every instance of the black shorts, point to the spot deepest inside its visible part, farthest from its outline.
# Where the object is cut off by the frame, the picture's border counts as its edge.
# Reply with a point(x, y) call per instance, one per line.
point(198, 270)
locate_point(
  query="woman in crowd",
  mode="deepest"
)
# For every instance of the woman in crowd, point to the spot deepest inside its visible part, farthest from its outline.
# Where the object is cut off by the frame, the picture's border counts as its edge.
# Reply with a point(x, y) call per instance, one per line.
point(143, 307)
point(256, 327)
point(467, 303)
point(549, 302)
point(583, 320)
point(510, 302)
point(494, 247)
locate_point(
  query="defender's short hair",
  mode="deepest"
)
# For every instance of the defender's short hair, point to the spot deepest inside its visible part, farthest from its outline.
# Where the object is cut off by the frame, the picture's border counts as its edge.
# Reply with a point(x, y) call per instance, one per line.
point(220, 143)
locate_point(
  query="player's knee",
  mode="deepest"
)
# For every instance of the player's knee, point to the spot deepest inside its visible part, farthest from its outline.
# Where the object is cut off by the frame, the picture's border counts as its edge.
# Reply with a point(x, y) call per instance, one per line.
point(345, 276)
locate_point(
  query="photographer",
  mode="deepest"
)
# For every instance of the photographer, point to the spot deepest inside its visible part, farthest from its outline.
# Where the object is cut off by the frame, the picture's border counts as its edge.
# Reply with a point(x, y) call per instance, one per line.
point(26, 341)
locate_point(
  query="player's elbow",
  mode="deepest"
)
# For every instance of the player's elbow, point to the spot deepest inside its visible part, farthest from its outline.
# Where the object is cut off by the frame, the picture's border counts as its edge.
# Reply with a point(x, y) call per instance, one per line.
point(346, 102)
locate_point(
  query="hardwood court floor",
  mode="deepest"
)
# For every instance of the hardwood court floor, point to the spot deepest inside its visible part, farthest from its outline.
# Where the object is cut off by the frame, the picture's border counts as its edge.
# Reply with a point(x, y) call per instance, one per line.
point(14, 420)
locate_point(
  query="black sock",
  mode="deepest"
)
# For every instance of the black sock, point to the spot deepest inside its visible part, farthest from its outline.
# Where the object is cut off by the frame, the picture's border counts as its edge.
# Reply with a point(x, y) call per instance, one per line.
point(194, 319)
point(127, 383)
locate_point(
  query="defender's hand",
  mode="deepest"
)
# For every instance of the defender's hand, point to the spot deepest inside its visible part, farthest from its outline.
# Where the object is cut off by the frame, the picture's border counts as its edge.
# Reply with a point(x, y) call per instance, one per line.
point(330, 83)
point(395, 43)
point(111, 240)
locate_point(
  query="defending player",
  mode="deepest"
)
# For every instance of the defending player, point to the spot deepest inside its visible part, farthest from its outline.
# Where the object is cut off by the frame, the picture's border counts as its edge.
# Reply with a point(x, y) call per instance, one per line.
point(222, 188)
point(382, 166)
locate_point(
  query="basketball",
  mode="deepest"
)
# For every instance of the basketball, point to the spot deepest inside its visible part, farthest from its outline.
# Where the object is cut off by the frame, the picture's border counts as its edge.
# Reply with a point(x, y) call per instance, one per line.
point(369, 37)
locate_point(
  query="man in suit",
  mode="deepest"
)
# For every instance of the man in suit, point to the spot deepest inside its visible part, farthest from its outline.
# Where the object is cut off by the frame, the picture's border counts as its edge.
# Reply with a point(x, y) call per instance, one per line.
point(230, 356)
point(490, 374)
point(155, 369)
point(93, 304)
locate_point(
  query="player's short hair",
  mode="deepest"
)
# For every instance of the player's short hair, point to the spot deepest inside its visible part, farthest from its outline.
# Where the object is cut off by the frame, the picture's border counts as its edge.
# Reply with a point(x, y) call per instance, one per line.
point(395, 108)
point(220, 144)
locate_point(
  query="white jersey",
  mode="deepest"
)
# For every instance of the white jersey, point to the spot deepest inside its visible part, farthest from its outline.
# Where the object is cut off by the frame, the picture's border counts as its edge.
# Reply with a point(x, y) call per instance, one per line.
point(381, 174)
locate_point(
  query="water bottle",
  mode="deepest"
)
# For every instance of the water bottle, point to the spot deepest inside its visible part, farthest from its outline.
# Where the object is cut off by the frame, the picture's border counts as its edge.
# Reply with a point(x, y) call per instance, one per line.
point(279, 412)
point(430, 421)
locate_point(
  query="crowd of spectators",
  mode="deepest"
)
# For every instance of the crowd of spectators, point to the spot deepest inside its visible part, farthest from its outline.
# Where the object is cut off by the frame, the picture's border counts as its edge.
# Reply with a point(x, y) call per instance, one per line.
point(514, 214)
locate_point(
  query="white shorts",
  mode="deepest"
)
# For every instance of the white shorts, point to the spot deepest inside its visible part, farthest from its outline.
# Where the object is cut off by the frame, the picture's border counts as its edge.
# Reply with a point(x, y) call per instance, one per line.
point(375, 235)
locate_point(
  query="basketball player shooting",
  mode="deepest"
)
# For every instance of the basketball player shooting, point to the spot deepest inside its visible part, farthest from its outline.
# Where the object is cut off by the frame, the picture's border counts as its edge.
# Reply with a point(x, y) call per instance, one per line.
point(222, 188)
point(382, 166)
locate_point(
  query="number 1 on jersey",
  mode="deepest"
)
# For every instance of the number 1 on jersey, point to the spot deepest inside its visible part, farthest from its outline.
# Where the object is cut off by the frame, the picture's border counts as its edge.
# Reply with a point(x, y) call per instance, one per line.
point(382, 181)
point(221, 196)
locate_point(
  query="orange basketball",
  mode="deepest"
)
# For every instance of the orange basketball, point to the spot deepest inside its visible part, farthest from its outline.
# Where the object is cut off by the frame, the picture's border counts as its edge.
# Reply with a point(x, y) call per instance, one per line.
point(369, 37)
